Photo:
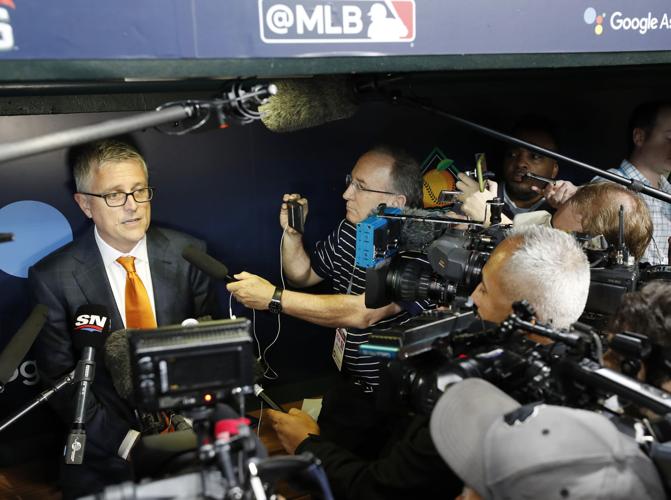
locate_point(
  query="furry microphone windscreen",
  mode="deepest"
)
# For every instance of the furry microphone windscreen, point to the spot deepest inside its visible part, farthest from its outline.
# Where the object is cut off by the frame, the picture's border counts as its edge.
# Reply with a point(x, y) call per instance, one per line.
point(117, 360)
point(309, 102)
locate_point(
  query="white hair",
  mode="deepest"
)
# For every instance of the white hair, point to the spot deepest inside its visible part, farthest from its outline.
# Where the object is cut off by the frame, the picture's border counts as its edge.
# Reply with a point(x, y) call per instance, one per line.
point(550, 270)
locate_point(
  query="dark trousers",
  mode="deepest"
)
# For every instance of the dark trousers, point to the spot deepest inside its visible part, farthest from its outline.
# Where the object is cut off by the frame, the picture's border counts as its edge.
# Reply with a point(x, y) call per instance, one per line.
point(349, 417)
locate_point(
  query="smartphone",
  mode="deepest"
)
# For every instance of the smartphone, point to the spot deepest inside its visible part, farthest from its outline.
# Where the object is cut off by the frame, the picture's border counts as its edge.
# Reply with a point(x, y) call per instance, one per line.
point(480, 168)
point(296, 216)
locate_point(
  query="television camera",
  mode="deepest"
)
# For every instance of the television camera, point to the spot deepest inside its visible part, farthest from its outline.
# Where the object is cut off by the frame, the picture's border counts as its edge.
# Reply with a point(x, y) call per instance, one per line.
point(530, 361)
point(196, 369)
point(416, 254)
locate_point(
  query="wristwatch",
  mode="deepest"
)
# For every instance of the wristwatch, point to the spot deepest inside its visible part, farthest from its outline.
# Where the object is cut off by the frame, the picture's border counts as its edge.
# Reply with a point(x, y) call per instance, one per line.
point(275, 305)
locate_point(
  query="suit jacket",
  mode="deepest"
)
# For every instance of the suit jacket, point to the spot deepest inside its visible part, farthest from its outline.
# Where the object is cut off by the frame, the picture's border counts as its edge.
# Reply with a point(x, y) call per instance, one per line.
point(74, 275)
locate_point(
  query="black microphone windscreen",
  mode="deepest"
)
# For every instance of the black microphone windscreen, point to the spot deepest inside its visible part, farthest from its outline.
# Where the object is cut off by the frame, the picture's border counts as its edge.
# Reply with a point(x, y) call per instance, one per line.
point(117, 360)
point(23, 339)
point(91, 326)
point(417, 234)
point(309, 102)
point(206, 263)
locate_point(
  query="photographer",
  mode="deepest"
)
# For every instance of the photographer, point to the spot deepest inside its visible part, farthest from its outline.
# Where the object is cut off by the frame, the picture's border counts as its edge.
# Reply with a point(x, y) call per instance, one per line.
point(503, 450)
point(541, 265)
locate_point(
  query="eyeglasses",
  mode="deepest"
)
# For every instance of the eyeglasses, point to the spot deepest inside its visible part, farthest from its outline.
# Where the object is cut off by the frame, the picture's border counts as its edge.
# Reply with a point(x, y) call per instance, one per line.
point(119, 198)
point(358, 187)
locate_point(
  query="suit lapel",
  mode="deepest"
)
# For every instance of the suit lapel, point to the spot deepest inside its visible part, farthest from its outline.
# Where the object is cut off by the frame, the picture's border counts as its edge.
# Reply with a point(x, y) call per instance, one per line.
point(92, 279)
point(163, 274)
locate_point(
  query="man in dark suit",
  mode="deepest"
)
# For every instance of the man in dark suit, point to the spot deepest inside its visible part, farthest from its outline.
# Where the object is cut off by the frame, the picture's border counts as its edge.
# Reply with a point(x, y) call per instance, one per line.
point(157, 287)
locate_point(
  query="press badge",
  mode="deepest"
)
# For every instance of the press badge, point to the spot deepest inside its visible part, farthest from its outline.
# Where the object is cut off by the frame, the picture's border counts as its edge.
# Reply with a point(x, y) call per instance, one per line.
point(339, 347)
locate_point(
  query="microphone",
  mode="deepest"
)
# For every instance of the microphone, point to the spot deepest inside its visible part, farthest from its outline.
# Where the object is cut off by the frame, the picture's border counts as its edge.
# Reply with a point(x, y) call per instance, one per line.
point(90, 331)
point(309, 102)
point(206, 263)
point(418, 234)
point(6, 237)
point(260, 393)
point(117, 361)
point(18, 346)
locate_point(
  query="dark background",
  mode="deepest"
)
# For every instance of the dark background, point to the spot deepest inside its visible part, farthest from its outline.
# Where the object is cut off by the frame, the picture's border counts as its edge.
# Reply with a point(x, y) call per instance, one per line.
point(225, 186)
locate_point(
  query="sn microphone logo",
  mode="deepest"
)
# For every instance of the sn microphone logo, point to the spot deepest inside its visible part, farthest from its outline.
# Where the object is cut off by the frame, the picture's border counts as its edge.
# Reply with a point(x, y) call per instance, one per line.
point(90, 323)
point(337, 21)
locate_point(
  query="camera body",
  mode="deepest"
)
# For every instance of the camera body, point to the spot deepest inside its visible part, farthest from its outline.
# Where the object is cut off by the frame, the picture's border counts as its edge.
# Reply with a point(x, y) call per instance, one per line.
point(181, 367)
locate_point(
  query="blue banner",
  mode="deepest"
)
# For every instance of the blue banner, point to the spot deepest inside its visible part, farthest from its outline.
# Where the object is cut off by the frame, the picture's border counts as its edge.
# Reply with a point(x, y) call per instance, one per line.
point(203, 29)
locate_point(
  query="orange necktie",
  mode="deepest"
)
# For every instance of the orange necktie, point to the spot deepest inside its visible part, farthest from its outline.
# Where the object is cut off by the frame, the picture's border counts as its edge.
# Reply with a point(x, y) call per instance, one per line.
point(138, 307)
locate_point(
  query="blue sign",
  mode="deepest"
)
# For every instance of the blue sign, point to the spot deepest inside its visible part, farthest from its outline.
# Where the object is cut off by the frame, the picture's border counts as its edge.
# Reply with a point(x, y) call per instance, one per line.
point(206, 29)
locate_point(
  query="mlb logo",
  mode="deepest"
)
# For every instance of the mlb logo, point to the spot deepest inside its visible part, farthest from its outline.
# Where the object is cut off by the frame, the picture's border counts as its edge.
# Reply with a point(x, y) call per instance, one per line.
point(337, 21)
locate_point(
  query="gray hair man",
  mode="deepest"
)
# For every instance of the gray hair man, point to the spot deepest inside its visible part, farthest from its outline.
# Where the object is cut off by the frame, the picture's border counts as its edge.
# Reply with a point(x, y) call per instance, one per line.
point(539, 264)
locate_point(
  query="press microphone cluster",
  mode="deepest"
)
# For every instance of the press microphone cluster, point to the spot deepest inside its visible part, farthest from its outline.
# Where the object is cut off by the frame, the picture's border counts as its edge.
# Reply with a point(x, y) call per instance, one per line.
point(90, 330)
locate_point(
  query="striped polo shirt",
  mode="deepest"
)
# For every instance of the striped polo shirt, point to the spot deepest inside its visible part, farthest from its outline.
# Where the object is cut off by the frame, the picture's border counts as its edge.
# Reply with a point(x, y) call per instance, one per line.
point(334, 258)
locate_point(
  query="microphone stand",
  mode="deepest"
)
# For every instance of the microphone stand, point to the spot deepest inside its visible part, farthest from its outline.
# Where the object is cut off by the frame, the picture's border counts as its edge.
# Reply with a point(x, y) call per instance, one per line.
point(632, 184)
point(43, 397)
point(84, 374)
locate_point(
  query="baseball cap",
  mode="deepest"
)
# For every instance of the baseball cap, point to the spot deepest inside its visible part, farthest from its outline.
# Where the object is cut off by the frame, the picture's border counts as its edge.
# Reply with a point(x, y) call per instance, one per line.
point(507, 451)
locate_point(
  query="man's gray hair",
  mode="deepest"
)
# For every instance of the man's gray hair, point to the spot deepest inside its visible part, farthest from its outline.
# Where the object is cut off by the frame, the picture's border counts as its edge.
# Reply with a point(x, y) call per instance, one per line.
point(550, 270)
point(97, 154)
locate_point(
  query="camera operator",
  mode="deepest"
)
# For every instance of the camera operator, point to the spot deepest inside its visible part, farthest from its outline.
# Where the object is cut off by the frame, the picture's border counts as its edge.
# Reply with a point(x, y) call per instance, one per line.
point(382, 175)
point(648, 312)
point(542, 265)
point(539, 264)
point(502, 450)
point(593, 209)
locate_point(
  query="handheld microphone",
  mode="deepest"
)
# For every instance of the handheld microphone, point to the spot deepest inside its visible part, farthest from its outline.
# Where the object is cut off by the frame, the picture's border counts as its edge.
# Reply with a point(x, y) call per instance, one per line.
point(90, 331)
point(18, 346)
point(260, 393)
point(206, 263)
point(6, 237)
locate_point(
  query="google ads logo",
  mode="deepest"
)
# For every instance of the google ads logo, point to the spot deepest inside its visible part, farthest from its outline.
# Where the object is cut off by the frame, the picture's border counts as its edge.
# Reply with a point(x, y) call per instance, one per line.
point(620, 22)
point(591, 17)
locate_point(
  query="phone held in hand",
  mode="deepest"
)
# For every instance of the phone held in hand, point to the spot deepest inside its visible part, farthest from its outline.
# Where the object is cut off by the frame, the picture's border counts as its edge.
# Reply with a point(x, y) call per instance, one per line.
point(296, 216)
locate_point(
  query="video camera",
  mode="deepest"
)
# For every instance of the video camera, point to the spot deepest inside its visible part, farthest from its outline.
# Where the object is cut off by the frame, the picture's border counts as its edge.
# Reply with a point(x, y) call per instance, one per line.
point(416, 254)
point(433, 351)
point(196, 369)
point(178, 367)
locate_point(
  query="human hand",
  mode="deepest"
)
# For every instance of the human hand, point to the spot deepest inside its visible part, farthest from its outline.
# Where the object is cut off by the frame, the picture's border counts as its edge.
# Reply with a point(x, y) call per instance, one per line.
point(557, 194)
point(475, 204)
point(467, 185)
point(251, 290)
point(284, 212)
point(292, 428)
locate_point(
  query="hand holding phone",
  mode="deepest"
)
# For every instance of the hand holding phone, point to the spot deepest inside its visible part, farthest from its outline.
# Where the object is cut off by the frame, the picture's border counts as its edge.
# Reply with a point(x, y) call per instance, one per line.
point(296, 216)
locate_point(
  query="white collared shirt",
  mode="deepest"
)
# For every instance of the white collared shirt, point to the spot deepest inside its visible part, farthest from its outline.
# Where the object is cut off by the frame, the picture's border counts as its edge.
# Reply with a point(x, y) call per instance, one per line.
point(116, 274)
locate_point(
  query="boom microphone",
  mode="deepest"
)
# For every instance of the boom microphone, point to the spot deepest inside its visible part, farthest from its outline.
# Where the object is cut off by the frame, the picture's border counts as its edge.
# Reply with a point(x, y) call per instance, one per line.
point(90, 331)
point(18, 346)
point(206, 263)
point(309, 102)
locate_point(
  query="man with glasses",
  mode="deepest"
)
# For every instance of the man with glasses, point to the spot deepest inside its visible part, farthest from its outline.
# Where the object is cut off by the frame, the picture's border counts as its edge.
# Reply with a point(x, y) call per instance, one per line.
point(382, 175)
point(137, 273)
